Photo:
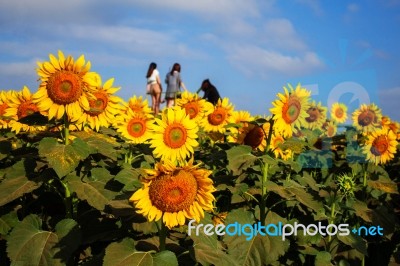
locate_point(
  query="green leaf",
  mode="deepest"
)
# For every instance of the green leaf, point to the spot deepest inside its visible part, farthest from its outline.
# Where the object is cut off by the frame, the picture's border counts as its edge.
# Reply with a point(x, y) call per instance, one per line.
point(129, 177)
point(7, 222)
point(94, 190)
point(100, 143)
point(354, 241)
point(28, 244)
point(240, 158)
point(323, 258)
point(165, 258)
point(124, 253)
point(208, 250)
point(15, 183)
point(35, 119)
point(63, 158)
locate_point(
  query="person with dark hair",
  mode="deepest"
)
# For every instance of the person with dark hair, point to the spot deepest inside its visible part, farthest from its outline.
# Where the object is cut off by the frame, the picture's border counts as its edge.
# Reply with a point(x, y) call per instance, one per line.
point(174, 84)
point(155, 88)
point(211, 93)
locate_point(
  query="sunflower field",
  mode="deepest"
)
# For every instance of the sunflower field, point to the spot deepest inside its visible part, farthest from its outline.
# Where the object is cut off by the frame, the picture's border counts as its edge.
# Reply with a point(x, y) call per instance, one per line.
point(89, 179)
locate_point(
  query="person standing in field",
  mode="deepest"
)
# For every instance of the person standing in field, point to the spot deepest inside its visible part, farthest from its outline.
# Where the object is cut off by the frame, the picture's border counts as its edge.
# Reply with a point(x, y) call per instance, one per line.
point(174, 84)
point(211, 93)
point(155, 88)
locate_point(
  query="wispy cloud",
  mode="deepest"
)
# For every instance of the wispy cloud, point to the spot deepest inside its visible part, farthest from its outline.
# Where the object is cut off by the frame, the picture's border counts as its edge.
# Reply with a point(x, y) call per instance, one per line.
point(389, 99)
point(314, 5)
point(353, 7)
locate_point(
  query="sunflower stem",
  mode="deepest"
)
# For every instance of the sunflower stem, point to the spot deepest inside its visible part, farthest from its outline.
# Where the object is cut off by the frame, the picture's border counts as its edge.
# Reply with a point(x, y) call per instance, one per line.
point(162, 236)
point(264, 180)
point(66, 130)
point(67, 201)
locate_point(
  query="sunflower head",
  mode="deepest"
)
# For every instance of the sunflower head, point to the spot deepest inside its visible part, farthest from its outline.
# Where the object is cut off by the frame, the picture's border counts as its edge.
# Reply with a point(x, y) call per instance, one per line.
point(346, 185)
point(174, 135)
point(316, 116)
point(139, 105)
point(367, 117)
point(380, 146)
point(329, 128)
point(290, 110)
point(175, 193)
point(219, 117)
point(339, 112)
point(196, 107)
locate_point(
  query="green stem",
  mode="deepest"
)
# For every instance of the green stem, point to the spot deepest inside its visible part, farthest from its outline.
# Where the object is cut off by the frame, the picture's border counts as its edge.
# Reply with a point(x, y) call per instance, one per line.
point(332, 220)
point(162, 236)
point(66, 130)
point(67, 201)
point(365, 178)
point(264, 180)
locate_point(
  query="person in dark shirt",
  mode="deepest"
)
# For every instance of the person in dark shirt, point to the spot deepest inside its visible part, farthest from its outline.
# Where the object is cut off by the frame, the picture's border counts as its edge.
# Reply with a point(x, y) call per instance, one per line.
point(211, 93)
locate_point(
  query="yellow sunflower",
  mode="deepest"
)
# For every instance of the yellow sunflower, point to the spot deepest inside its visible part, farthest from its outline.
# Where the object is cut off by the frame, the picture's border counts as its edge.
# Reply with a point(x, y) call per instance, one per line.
point(367, 117)
point(330, 129)
point(265, 127)
point(175, 193)
point(219, 117)
point(316, 116)
point(391, 125)
point(339, 112)
point(380, 146)
point(196, 107)
point(5, 97)
point(285, 154)
point(104, 106)
point(290, 110)
point(136, 127)
point(241, 119)
point(174, 135)
point(64, 86)
point(139, 105)
point(20, 105)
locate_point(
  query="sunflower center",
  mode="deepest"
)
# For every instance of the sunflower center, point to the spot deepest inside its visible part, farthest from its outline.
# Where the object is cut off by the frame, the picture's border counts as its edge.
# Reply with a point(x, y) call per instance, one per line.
point(339, 113)
point(192, 109)
point(314, 114)
point(98, 104)
point(379, 146)
point(366, 118)
point(136, 127)
point(173, 193)
point(26, 108)
point(217, 117)
point(64, 87)
point(175, 135)
point(3, 108)
point(254, 137)
point(291, 110)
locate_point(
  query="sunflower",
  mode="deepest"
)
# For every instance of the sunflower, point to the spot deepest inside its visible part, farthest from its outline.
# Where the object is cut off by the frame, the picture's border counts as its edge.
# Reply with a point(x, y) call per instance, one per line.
point(391, 125)
point(380, 146)
point(175, 193)
point(139, 105)
point(104, 106)
point(265, 127)
point(316, 116)
point(241, 119)
point(290, 110)
point(135, 127)
point(64, 87)
point(20, 105)
point(196, 107)
point(339, 112)
point(330, 129)
point(5, 97)
point(174, 135)
point(346, 185)
point(219, 117)
point(276, 141)
point(367, 117)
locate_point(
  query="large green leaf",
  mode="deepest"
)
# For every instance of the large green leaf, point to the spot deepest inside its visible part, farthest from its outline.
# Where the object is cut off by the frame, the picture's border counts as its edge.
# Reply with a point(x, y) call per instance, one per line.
point(101, 143)
point(63, 158)
point(7, 222)
point(240, 158)
point(94, 189)
point(129, 177)
point(28, 244)
point(15, 183)
point(124, 253)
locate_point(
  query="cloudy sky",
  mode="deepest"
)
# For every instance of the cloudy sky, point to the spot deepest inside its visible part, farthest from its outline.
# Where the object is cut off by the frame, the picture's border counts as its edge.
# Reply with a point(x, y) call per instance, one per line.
point(341, 50)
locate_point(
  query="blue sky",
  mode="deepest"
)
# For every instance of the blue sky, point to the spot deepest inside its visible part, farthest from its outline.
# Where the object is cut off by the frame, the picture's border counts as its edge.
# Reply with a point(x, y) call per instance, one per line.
point(344, 51)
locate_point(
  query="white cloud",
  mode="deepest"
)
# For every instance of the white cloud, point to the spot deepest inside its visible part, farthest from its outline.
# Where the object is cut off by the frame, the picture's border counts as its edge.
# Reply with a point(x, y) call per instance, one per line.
point(314, 5)
point(389, 101)
point(255, 60)
point(280, 33)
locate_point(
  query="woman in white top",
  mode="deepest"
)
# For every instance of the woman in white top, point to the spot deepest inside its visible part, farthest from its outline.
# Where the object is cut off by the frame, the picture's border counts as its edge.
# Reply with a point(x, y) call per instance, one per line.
point(153, 80)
